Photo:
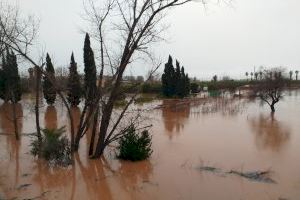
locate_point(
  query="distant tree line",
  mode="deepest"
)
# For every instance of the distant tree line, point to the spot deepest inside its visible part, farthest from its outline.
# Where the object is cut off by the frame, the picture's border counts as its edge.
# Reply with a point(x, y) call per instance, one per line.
point(175, 82)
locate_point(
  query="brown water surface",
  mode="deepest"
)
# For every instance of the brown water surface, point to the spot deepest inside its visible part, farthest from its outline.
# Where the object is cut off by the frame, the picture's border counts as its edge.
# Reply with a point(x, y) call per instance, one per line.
point(230, 134)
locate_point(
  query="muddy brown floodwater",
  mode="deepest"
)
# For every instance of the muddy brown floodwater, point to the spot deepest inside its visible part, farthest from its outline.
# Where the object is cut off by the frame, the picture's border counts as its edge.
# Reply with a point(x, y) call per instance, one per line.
point(228, 134)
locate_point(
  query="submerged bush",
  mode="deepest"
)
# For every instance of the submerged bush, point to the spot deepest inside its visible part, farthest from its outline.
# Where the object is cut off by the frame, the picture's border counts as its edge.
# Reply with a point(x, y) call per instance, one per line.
point(135, 146)
point(54, 148)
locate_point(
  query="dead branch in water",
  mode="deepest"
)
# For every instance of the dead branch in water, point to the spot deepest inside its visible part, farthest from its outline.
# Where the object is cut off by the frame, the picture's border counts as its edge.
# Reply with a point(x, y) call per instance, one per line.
point(258, 176)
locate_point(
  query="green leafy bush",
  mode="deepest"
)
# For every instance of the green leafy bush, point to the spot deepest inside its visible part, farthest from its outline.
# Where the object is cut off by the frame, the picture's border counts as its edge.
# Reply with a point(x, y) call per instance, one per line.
point(135, 146)
point(54, 148)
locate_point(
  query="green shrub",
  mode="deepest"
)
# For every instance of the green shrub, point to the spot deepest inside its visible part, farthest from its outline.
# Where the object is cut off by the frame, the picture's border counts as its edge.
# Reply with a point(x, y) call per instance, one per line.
point(120, 103)
point(54, 148)
point(194, 87)
point(135, 146)
point(155, 88)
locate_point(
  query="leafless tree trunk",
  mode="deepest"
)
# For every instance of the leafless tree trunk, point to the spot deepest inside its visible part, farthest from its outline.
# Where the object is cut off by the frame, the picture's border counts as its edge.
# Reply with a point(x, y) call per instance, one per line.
point(138, 24)
point(15, 120)
point(37, 107)
point(95, 125)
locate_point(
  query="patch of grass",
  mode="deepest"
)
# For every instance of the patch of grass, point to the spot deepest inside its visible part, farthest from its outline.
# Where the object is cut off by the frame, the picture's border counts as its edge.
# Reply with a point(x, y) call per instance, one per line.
point(120, 103)
point(144, 99)
point(135, 146)
point(54, 148)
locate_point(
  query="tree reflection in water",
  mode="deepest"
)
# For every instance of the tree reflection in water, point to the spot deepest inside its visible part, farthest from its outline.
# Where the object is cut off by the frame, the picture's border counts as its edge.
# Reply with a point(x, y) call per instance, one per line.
point(6, 115)
point(175, 114)
point(135, 173)
point(13, 146)
point(222, 105)
point(51, 118)
point(269, 133)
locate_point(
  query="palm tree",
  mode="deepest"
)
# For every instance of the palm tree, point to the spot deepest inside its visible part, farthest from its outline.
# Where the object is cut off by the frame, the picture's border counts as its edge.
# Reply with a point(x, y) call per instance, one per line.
point(247, 74)
point(256, 75)
point(291, 75)
point(260, 75)
point(296, 72)
point(251, 74)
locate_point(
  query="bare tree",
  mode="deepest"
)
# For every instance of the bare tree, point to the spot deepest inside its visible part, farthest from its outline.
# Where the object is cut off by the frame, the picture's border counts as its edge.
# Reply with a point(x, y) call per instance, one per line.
point(133, 26)
point(270, 88)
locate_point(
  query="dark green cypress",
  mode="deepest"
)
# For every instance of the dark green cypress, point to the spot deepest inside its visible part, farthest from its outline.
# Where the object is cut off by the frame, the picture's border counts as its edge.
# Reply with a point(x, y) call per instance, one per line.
point(15, 80)
point(10, 78)
point(48, 88)
point(2, 78)
point(89, 70)
point(168, 82)
point(177, 79)
point(74, 86)
point(187, 85)
point(174, 81)
point(181, 84)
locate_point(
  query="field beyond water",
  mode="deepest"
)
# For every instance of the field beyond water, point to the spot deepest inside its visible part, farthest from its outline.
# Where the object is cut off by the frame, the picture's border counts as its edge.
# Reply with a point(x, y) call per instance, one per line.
point(213, 148)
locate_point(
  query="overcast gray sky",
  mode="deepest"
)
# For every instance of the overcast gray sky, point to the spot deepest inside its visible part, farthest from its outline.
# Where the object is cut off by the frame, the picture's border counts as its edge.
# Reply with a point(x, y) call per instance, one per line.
point(220, 40)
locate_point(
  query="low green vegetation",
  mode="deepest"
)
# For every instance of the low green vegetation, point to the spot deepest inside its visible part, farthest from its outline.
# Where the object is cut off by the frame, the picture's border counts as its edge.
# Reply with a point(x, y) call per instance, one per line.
point(135, 146)
point(230, 85)
point(120, 103)
point(152, 88)
point(55, 147)
point(144, 99)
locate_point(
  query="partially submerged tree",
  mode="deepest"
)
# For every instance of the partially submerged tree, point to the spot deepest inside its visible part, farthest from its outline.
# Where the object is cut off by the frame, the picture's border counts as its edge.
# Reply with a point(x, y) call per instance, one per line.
point(19, 33)
point(89, 70)
point(74, 89)
point(270, 88)
point(135, 25)
point(167, 78)
point(48, 87)
point(175, 82)
point(11, 88)
point(11, 79)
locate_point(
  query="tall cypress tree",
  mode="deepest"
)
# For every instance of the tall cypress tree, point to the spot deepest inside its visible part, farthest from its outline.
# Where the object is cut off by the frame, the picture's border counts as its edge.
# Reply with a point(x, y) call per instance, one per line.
point(2, 78)
point(74, 86)
point(187, 85)
point(14, 79)
point(181, 84)
point(177, 79)
point(48, 88)
point(168, 82)
point(89, 70)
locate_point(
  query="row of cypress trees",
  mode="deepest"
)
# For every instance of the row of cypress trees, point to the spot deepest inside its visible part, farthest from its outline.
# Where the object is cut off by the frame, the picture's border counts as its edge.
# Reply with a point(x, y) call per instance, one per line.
point(75, 90)
point(175, 82)
point(10, 82)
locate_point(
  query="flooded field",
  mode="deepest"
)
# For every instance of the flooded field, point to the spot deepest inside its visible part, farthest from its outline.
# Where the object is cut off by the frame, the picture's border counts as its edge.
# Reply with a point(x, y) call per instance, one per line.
point(190, 140)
